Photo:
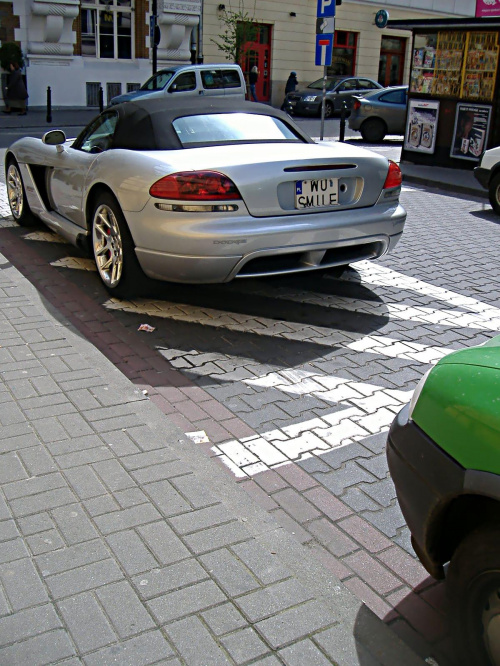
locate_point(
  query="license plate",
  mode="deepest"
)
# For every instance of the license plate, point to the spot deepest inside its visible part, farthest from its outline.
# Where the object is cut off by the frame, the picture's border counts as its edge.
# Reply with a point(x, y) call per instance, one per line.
point(319, 193)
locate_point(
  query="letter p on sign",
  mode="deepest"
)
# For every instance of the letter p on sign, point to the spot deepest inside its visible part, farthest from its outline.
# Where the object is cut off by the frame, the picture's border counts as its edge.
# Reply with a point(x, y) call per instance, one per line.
point(326, 8)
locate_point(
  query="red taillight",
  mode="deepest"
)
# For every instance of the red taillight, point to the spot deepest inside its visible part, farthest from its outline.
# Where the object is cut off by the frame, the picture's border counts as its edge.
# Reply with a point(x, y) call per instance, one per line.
point(394, 176)
point(195, 186)
point(356, 105)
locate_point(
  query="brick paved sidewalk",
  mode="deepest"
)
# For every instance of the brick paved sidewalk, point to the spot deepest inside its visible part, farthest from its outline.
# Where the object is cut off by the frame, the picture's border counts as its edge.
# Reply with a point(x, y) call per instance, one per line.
point(123, 543)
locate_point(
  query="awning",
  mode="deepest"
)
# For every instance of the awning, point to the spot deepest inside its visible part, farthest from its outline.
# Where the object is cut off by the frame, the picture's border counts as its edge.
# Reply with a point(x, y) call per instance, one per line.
point(492, 23)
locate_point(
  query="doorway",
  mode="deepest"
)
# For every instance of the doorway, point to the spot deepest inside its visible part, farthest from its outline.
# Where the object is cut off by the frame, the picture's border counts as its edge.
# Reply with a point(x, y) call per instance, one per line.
point(392, 60)
point(258, 53)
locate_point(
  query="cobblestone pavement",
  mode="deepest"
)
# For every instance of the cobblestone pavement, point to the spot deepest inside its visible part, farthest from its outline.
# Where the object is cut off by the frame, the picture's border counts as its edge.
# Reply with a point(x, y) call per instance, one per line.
point(122, 543)
point(291, 384)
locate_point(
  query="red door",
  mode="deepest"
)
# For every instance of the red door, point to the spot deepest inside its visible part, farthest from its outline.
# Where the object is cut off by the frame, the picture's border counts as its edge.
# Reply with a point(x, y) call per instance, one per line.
point(259, 53)
point(392, 60)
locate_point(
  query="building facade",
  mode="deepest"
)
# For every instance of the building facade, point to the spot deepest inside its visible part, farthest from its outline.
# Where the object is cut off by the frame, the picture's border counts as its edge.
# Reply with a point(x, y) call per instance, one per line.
point(78, 46)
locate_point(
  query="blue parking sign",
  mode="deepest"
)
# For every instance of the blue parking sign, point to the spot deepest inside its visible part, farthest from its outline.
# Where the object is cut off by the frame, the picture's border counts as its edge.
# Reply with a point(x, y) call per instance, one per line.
point(324, 50)
point(326, 8)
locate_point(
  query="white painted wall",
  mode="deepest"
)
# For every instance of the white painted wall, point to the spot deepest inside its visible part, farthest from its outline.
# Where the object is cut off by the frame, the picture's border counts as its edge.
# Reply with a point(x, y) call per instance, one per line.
point(452, 7)
point(67, 78)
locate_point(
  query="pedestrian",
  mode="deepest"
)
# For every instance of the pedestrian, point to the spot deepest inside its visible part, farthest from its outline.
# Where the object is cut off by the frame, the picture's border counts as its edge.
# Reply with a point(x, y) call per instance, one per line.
point(292, 83)
point(252, 80)
point(290, 86)
point(16, 91)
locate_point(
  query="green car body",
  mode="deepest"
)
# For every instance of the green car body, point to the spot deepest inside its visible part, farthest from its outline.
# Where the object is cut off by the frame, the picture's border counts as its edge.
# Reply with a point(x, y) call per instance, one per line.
point(459, 406)
point(443, 451)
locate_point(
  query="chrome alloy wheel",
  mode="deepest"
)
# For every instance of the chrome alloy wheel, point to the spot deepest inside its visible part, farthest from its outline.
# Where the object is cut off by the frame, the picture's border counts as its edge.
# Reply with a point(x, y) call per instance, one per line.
point(491, 626)
point(108, 246)
point(15, 191)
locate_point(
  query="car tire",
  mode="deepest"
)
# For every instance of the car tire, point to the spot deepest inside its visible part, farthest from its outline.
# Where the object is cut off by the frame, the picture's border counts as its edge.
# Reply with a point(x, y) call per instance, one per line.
point(494, 193)
point(473, 584)
point(114, 250)
point(373, 130)
point(16, 194)
point(329, 109)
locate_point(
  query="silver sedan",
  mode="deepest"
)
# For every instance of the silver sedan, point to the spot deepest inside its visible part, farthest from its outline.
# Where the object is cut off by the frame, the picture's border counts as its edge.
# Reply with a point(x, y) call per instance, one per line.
point(379, 113)
point(205, 192)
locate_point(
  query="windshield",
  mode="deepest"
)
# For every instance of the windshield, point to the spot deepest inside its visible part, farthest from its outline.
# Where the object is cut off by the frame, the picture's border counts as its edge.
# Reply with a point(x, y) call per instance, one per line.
point(331, 82)
point(223, 128)
point(158, 81)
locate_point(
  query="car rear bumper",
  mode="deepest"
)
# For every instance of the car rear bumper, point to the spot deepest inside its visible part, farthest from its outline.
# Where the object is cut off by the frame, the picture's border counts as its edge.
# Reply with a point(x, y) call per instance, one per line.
point(355, 121)
point(302, 108)
point(426, 480)
point(482, 176)
point(203, 248)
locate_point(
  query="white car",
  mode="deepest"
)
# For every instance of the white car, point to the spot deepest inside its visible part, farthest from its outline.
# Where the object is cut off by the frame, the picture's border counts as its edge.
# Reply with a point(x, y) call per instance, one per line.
point(488, 174)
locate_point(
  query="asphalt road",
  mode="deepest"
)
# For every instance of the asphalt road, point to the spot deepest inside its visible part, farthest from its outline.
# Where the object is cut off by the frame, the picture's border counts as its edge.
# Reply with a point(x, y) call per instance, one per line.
point(316, 368)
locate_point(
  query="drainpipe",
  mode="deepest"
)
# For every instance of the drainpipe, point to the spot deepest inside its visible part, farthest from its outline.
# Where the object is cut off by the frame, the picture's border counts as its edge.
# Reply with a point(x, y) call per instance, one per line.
point(199, 58)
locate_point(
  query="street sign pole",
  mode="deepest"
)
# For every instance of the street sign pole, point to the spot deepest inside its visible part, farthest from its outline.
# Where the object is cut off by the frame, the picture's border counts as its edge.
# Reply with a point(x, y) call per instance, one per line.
point(322, 132)
point(152, 35)
point(325, 29)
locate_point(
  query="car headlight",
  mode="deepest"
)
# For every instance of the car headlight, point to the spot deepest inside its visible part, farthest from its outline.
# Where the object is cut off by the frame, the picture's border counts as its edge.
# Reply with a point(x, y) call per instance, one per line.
point(417, 392)
point(310, 98)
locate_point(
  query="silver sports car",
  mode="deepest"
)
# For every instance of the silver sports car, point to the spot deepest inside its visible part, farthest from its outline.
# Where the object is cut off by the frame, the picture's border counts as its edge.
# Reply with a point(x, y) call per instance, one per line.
point(205, 191)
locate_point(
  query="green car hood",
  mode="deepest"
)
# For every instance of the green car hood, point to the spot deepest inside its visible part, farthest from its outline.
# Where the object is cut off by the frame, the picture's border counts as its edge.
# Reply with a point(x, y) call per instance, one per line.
point(459, 406)
point(486, 356)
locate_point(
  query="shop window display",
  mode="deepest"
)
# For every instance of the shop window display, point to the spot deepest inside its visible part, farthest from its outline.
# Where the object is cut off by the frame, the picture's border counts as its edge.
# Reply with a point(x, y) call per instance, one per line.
point(424, 62)
point(455, 64)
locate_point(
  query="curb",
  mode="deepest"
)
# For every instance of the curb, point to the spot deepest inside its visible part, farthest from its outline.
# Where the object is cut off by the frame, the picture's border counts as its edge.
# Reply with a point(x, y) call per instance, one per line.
point(449, 187)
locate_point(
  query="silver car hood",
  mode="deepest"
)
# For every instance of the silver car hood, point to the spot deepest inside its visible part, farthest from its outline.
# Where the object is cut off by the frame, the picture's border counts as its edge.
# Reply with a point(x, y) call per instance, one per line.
point(266, 174)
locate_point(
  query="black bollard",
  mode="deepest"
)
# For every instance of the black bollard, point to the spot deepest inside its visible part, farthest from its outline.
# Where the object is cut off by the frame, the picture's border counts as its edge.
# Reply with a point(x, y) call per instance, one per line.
point(49, 105)
point(101, 99)
point(342, 122)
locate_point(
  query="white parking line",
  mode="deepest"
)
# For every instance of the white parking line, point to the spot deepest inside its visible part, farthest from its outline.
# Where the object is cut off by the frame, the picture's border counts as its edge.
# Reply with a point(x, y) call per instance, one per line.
point(368, 409)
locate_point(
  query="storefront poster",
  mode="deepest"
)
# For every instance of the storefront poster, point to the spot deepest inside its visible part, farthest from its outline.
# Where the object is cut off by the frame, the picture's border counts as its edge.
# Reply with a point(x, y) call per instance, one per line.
point(487, 8)
point(470, 136)
point(422, 125)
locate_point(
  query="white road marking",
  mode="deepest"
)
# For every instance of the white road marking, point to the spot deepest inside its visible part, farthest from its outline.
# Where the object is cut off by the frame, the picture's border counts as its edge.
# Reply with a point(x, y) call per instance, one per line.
point(368, 409)
point(328, 337)
point(45, 237)
point(78, 263)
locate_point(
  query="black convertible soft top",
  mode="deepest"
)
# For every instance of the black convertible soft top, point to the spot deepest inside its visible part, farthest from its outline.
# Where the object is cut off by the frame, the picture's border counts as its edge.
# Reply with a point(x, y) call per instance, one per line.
point(146, 124)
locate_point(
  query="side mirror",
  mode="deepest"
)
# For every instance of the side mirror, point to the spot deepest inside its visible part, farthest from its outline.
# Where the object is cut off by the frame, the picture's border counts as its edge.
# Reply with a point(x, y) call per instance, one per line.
point(173, 87)
point(54, 138)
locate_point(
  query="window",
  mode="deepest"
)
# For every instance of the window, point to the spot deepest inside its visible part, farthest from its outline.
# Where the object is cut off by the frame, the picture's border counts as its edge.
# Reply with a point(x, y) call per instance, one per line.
point(231, 78)
point(366, 84)
point(394, 97)
point(211, 79)
point(158, 81)
point(318, 85)
point(99, 136)
point(350, 84)
point(113, 90)
point(107, 29)
point(231, 128)
point(344, 53)
point(185, 81)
